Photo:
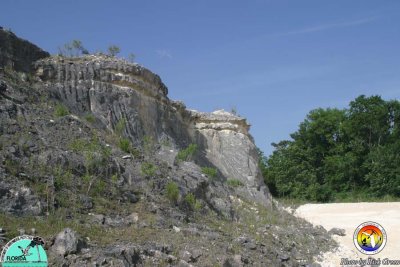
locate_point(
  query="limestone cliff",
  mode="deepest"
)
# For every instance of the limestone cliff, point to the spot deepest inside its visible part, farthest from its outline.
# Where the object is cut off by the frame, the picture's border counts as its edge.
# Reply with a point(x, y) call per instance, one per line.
point(18, 54)
point(67, 163)
point(113, 89)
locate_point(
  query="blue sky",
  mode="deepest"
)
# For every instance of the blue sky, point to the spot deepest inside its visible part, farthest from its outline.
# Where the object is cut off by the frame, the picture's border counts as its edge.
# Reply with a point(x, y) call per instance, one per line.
point(273, 61)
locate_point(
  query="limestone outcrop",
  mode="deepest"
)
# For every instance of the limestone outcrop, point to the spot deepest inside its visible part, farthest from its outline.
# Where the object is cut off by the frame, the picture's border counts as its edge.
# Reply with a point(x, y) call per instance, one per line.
point(18, 54)
point(168, 186)
point(114, 90)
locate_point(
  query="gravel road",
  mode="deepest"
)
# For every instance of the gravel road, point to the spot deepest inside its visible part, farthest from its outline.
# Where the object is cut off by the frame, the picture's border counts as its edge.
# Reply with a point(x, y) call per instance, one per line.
point(349, 216)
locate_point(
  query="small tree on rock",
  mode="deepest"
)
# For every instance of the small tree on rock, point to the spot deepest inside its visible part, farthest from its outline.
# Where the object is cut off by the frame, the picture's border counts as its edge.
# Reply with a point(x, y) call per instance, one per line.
point(113, 50)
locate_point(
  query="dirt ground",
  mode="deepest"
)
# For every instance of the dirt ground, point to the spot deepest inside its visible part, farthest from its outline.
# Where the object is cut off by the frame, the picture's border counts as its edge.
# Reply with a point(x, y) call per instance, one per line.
point(349, 216)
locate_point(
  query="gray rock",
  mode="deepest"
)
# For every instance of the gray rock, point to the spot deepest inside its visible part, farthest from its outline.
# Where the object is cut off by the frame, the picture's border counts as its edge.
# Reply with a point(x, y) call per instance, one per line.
point(235, 261)
point(337, 231)
point(108, 87)
point(86, 202)
point(196, 254)
point(18, 199)
point(183, 263)
point(132, 218)
point(185, 255)
point(3, 87)
point(17, 53)
point(98, 219)
point(67, 242)
point(130, 197)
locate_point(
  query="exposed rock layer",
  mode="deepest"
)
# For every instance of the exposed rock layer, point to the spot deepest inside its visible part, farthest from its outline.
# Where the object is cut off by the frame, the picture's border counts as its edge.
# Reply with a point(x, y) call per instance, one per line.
point(114, 90)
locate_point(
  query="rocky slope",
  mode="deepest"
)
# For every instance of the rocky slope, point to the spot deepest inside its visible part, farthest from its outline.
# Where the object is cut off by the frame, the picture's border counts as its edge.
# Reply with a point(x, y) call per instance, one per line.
point(93, 148)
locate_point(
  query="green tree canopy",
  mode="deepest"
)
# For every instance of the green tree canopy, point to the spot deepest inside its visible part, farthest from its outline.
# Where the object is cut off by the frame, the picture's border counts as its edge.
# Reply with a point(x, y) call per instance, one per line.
point(339, 153)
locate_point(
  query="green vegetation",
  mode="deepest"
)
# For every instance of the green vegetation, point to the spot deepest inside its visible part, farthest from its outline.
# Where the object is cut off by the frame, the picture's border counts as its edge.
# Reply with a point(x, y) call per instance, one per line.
point(149, 146)
point(62, 178)
point(340, 154)
point(234, 183)
point(12, 166)
point(172, 192)
point(187, 153)
point(95, 155)
point(113, 50)
point(61, 110)
point(131, 57)
point(192, 202)
point(125, 145)
point(90, 118)
point(148, 169)
point(210, 172)
point(74, 48)
point(120, 127)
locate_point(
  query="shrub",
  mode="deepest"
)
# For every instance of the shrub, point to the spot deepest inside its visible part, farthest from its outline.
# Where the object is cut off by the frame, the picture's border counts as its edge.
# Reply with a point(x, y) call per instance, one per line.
point(234, 182)
point(60, 110)
point(12, 166)
point(210, 172)
point(187, 153)
point(172, 192)
point(131, 57)
point(148, 145)
point(148, 169)
point(62, 179)
point(90, 118)
point(120, 127)
point(113, 50)
point(114, 178)
point(125, 145)
point(99, 187)
point(192, 202)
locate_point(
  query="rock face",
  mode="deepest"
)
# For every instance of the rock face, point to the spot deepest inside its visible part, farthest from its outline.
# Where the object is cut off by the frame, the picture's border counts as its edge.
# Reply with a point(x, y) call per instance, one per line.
point(18, 200)
point(114, 90)
point(140, 206)
point(229, 146)
point(18, 54)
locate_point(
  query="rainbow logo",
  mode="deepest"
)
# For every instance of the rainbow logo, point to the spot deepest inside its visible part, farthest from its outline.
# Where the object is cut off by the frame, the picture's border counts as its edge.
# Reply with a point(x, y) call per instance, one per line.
point(370, 238)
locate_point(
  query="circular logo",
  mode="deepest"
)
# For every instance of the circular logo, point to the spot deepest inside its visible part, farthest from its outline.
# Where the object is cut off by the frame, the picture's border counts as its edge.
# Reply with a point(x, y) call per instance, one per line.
point(370, 238)
point(24, 251)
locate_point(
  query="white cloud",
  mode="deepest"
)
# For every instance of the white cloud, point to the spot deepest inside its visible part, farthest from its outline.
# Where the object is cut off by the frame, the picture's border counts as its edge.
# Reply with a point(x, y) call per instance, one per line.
point(329, 26)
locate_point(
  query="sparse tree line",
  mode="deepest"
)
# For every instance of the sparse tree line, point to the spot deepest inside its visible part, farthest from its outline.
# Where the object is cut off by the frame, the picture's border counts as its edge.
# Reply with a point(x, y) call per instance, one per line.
point(340, 154)
point(75, 48)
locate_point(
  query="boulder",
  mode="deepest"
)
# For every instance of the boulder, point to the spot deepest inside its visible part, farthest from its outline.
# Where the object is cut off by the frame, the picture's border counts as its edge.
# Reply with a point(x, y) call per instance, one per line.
point(337, 231)
point(67, 242)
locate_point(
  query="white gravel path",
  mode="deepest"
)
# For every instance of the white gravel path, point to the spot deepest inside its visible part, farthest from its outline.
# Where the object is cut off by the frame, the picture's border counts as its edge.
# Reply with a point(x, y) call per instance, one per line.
point(349, 216)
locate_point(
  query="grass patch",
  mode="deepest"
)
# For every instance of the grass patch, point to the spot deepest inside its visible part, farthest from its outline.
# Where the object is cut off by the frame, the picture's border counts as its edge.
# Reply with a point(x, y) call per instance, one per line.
point(61, 110)
point(210, 172)
point(172, 192)
point(192, 202)
point(187, 153)
point(120, 127)
point(148, 169)
point(12, 166)
point(125, 145)
point(90, 118)
point(234, 183)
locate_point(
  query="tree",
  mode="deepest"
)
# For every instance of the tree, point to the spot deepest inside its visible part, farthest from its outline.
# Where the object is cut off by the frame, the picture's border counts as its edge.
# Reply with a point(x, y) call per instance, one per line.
point(113, 50)
point(131, 57)
point(338, 153)
point(74, 48)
